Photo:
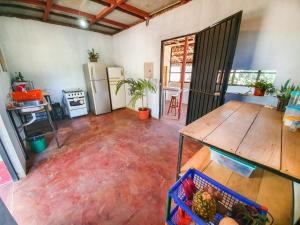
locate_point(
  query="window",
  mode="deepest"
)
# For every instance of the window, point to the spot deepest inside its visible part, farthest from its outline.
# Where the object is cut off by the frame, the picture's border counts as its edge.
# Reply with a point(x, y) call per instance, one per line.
point(246, 77)
point(175, 73)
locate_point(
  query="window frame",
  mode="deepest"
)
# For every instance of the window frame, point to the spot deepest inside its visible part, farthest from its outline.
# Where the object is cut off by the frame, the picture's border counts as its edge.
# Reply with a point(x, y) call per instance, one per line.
point(259, 73)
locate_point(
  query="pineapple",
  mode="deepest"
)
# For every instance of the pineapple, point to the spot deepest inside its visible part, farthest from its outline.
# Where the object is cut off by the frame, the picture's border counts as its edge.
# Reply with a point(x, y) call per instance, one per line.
point(204, 205)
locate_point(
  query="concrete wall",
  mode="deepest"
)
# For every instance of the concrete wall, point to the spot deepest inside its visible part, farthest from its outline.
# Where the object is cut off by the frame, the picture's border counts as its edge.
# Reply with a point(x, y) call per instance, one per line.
point(51, 56)
point(7, 132)
point(269, 37)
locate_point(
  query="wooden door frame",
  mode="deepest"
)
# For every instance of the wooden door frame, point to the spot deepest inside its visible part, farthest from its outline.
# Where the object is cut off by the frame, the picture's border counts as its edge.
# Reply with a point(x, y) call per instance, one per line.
point(161, 68)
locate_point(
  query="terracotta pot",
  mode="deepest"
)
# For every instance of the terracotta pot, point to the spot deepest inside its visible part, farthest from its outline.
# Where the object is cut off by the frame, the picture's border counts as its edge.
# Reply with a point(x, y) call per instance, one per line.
point(259, 92)
point(144, 114)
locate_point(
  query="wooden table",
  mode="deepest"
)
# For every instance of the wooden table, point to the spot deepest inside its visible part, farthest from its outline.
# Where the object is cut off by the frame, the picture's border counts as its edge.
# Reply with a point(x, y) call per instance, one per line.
point(251, 132)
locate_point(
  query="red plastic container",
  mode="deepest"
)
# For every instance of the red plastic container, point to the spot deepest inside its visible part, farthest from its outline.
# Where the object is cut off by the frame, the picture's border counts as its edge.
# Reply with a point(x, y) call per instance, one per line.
point(31, 95)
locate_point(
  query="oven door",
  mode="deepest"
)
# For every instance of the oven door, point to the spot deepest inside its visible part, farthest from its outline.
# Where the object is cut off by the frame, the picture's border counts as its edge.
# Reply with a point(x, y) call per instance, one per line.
point(76, 103)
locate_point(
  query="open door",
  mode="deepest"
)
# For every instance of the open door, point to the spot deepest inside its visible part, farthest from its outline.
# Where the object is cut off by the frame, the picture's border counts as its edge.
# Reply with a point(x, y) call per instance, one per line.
point(213, 57)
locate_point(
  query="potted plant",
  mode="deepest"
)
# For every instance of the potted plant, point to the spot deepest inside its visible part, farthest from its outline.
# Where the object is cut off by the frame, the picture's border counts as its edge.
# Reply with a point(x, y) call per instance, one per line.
point(18, 82)
point(137, 90)
point(93, 56)
point(284, 94)
point(261, 87)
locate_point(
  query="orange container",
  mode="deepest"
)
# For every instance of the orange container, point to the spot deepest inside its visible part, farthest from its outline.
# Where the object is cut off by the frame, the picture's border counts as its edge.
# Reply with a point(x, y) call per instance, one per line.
point(31, 95)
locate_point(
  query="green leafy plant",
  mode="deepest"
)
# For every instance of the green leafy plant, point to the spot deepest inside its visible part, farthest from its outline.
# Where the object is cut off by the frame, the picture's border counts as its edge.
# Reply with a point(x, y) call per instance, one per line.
point(18, 77)
point(285, 90)
point(137, 90)
point(263, 85)
point(245, 214)
point(93, 56)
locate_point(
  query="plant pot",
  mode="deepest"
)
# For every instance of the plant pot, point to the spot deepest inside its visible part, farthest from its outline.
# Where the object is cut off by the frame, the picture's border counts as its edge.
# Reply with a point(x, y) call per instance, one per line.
point(259, 92)
point(93, 60)
point(282, 103)
point(144, 113)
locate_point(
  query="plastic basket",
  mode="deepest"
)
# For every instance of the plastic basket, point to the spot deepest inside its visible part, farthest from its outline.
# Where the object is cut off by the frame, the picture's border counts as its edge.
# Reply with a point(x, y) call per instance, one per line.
point(31, 95)
point(229, 198)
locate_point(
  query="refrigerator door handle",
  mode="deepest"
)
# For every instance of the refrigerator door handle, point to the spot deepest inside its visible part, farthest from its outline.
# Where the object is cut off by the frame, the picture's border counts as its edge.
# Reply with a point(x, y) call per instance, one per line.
point(94, 86)
point(92, 72)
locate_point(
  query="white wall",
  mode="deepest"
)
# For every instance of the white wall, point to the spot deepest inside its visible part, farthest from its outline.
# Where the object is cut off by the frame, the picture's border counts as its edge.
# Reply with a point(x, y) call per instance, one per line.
point(50, 55)
point(7, 132)
point(269, 37)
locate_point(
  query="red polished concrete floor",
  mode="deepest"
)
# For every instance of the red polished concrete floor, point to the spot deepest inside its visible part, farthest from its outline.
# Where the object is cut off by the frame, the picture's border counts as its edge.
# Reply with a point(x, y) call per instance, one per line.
point(112, 169)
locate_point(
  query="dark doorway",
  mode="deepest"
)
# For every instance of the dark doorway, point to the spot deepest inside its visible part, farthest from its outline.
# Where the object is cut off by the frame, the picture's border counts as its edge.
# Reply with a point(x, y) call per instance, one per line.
point(213, 57)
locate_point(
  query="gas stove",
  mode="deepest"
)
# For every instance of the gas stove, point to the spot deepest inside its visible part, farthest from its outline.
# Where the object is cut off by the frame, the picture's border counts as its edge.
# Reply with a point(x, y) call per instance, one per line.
point(74, 102)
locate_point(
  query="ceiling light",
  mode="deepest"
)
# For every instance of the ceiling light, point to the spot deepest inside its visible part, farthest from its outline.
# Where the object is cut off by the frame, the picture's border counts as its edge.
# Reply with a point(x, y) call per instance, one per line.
point(83, 23)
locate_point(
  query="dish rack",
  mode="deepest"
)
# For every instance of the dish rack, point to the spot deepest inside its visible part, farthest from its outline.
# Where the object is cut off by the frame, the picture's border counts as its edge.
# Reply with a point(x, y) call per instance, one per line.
point(200, 180)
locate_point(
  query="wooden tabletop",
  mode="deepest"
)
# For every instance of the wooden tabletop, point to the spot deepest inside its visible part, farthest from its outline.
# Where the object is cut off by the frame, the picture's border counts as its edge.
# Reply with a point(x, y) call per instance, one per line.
point(252, 132)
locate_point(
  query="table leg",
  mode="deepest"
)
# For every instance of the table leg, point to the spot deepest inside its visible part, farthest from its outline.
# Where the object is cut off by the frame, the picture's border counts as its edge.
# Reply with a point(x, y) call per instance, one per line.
point(18, 133)
point(52, 126)
point(180, 146)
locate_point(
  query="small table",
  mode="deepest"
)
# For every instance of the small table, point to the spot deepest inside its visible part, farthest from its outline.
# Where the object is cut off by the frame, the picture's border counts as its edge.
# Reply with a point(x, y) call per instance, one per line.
point(19, 111)
point(251, 132)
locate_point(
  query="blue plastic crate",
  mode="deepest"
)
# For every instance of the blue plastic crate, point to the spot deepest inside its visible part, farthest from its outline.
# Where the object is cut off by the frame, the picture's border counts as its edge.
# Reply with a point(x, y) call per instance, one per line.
point(229, 198)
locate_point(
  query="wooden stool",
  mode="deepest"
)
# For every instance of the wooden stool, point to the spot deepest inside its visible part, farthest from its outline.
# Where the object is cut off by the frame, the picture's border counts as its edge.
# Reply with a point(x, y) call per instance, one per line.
point(173, 103)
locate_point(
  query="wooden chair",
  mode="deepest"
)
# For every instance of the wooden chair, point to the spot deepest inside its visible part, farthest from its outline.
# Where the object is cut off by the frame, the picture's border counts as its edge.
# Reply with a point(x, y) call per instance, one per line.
point(173, 103)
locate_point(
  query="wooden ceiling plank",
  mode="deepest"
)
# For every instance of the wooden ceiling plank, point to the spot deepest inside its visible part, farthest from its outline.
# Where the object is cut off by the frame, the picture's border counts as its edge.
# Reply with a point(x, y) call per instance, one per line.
point(47, 9)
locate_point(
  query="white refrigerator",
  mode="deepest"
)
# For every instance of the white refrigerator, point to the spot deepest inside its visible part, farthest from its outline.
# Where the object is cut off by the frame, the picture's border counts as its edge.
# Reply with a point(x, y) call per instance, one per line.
point(97, 87)
point(115, 74)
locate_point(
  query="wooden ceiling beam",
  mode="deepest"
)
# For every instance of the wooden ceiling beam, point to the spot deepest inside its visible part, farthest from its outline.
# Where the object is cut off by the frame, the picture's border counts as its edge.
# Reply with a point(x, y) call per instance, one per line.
point(33, 2)
point(107, 10)
point(128, 9)
point(115, 23)
point(184, 1)
point(54, 22)
point(134, 10)
point(72, 11)
point(47, 9)
point(64, 9)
